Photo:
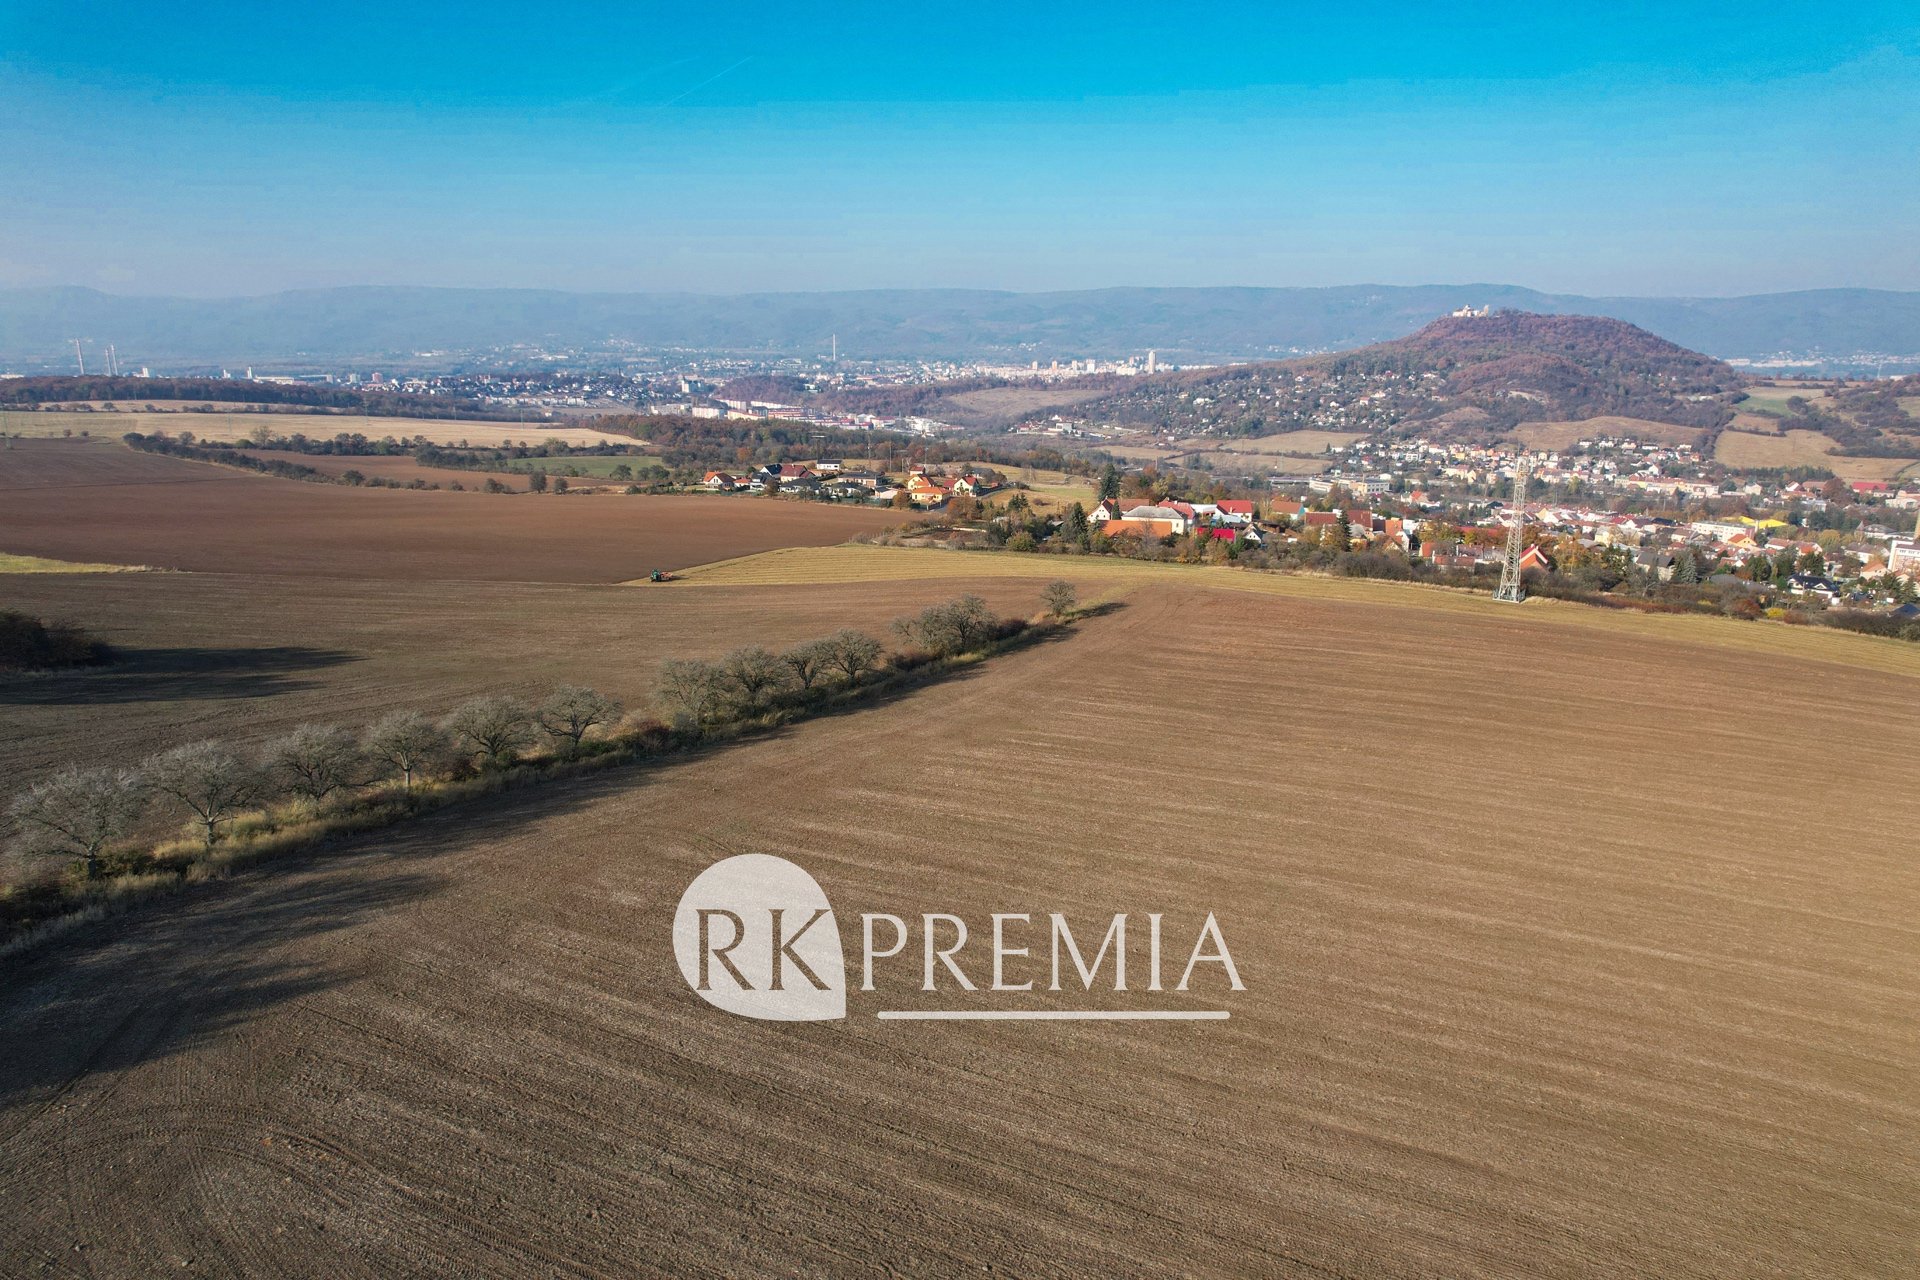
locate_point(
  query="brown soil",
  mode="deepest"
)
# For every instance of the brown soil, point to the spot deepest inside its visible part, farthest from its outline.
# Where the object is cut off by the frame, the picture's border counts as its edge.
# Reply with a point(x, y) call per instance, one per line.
point(242, 658)
point(1543, 979)
point(101, 502)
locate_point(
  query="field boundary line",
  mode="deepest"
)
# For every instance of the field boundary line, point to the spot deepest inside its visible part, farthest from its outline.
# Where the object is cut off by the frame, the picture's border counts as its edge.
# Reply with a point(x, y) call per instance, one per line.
point(854, 563)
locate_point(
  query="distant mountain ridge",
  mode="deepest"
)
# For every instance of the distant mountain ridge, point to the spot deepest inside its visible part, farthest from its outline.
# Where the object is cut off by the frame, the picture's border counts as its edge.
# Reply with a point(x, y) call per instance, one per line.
point(431, 328)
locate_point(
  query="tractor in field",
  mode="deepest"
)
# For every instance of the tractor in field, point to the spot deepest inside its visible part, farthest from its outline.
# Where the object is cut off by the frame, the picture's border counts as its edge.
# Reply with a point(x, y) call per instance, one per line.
point(660, 575)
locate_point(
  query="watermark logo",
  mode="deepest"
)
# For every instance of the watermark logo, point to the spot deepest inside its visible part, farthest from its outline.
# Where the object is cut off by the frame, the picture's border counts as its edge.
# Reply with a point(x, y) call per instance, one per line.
point(755, 935)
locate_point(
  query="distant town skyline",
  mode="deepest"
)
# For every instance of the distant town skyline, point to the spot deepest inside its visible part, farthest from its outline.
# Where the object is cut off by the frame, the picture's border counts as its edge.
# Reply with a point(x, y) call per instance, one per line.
point(1626, 149)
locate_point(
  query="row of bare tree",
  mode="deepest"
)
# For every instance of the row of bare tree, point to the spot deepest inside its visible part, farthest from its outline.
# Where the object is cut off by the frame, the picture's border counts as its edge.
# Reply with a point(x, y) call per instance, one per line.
point(750, 680)
point(78, 812)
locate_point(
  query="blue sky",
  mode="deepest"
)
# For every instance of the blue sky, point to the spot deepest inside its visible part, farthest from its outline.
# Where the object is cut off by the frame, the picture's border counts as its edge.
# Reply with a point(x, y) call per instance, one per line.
point(219, 148)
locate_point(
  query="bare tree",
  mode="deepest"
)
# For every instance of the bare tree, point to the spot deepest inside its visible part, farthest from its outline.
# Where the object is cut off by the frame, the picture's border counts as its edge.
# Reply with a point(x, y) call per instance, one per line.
point(406, 743)
point(755, 675)
point(854, 653)
point(492, 728)
point(315, 760)
point(951, 628)
point(571, 710)
point(809, 661)
point(210, 781)
point(1059, 597)
point(76, 813)
point(690, 691)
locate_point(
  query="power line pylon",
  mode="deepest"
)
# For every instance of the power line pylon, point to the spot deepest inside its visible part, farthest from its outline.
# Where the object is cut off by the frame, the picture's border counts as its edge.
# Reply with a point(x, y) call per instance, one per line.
point(1510, 589)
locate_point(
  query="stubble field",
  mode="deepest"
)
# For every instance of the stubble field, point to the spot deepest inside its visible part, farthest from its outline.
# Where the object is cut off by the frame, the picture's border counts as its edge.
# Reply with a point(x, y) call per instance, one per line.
point(1799, 448)
point(1522, 997)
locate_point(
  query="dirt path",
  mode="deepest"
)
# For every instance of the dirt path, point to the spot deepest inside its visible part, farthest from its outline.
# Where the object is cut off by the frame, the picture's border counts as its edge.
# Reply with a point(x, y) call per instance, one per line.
point(1650, 1012)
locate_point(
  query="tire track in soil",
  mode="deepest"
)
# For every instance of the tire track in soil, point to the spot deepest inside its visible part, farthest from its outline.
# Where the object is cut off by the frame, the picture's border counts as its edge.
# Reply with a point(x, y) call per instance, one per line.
point(1480, 1038)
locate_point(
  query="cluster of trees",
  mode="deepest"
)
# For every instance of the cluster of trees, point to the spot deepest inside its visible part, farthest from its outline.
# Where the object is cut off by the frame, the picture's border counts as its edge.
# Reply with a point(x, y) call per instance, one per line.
point(1877, 404)
point(79, 812)
point(692, 446)
point(915, 399)
point(184, 446)
point(751, 680)
point(558, 452)
point(952, 628)
point(258, 395)
point(29, 644)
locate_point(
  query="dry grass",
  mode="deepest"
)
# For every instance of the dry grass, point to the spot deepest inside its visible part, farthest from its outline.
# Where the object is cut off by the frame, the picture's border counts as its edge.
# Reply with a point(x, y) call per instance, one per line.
point(1048, 492)
point(1561, 435)
point(1114, 575)
point(39, 564)
point(1771, 398)
point(1802, 449)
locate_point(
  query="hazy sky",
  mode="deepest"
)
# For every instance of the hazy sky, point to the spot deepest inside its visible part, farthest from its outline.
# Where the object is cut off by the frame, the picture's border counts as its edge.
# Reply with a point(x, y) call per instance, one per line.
point(213, 147)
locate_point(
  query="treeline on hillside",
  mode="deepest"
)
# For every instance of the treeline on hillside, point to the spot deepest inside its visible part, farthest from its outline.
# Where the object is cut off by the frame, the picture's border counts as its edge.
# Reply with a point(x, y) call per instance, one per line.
point(1593, 342)
point(225, 454)
point(728, 442)
point(924, 400)
point(769, 388)
point(1877, 406)
point(688, 447)
point(916, 400)
point(707, 443)
point(1856, 437)
point(1507, 389)
point(17, 392)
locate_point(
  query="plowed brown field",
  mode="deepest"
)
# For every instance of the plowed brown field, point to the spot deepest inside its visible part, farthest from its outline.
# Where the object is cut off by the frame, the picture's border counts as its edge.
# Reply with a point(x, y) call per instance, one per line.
point(1553, 969)
point(99, 501)
point(242, 658)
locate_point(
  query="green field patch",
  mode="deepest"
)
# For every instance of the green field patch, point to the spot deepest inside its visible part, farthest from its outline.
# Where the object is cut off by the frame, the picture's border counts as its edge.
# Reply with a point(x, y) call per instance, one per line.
point(591, 468)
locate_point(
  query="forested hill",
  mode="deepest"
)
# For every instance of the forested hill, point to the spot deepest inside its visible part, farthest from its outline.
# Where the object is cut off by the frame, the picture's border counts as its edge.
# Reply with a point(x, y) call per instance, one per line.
point(1489, 371)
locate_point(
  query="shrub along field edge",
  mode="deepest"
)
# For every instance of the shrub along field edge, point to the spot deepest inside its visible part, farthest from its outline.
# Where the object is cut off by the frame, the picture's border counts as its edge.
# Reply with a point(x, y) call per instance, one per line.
point(34, 913)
